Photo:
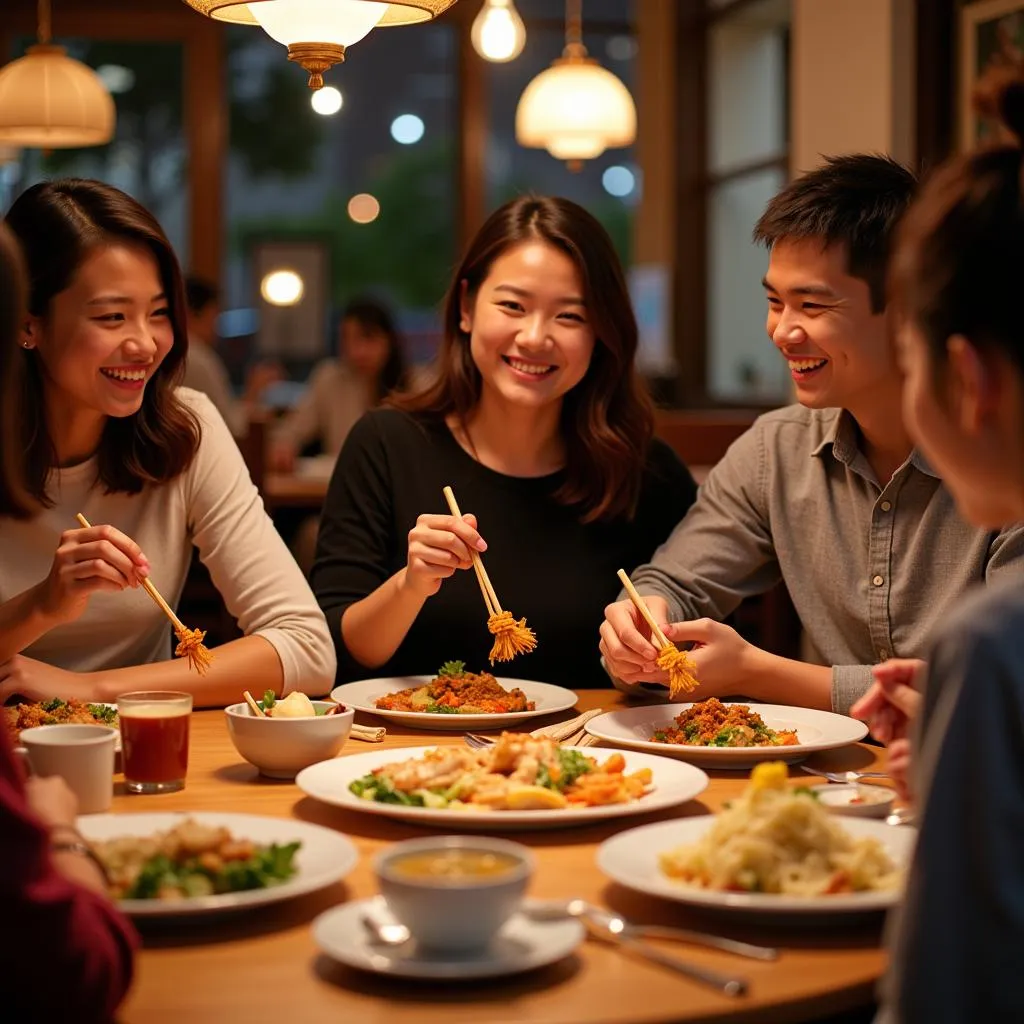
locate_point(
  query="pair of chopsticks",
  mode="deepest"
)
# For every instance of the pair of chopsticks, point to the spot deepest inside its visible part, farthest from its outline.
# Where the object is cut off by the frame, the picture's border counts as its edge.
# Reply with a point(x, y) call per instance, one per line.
point(511, 636)
point(190, 641)
point(677, 664)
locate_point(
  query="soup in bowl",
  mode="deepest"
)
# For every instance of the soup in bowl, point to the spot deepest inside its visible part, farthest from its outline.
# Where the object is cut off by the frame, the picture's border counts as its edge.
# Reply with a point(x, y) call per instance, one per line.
point(454, 893)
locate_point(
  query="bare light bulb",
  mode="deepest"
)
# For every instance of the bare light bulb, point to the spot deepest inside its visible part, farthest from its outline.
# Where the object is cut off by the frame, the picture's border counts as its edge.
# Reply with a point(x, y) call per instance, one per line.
point(498, 32)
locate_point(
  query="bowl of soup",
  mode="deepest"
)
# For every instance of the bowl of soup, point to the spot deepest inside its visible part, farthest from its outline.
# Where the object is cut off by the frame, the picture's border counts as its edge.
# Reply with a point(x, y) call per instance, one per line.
point(280, 747)
point(454, 893)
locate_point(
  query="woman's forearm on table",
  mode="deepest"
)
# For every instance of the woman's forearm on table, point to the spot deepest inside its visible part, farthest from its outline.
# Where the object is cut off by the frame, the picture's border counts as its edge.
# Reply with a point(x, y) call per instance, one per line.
point(22, 622)
point(249, 663)
point(374, 628)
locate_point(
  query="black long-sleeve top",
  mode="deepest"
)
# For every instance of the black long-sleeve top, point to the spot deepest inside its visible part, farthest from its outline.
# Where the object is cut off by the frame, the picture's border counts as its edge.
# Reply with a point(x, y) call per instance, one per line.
point(544, 563)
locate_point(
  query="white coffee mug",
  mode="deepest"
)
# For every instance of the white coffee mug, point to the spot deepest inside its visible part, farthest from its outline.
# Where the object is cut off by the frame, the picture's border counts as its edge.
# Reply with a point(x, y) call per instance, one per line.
point(82, 755)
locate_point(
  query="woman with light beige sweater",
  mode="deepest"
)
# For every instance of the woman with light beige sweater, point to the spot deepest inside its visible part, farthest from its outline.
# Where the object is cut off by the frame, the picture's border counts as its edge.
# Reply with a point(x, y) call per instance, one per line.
point(93, 422)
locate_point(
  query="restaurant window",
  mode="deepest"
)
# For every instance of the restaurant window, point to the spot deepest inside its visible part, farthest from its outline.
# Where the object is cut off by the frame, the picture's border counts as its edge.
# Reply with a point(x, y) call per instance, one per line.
point(147, 155)
point(608, 186)
point(747, 164)
point(366, 191)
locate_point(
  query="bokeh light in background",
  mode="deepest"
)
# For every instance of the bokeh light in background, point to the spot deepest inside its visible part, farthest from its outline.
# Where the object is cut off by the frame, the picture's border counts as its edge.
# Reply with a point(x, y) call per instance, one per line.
point(363, 208)
point(326, 101)
point(282, 288)
point(407, 129)
point(618, 181)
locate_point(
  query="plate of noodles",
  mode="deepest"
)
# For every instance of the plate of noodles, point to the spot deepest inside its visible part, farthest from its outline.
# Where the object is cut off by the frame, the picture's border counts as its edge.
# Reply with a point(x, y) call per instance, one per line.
point(519, 782)
point(774, 850)
point(455, 700)
point(717, 734)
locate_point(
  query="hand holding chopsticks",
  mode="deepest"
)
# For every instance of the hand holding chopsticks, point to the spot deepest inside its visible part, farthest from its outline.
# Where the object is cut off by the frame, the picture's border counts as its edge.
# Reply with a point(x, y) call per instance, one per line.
point(511, 636)
point(677, 664)
point(190, 641)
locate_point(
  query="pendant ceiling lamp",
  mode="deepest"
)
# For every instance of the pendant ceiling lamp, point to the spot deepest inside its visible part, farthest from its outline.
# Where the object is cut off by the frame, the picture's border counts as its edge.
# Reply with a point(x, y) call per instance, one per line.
point(498, 32)
point(50, 101)
point(575, 109)
point(317, 32)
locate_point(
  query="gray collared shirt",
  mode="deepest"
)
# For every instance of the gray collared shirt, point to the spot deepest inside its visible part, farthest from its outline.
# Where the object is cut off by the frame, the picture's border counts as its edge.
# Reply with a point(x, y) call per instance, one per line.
point(872, 570)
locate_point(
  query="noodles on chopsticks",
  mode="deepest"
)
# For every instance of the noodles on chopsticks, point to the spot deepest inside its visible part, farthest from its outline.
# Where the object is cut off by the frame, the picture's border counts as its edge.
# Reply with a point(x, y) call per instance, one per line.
point(512, 636)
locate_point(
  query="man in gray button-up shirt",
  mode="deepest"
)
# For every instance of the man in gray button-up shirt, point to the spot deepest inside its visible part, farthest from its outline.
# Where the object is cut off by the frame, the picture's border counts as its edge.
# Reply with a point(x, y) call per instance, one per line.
point(828, 495)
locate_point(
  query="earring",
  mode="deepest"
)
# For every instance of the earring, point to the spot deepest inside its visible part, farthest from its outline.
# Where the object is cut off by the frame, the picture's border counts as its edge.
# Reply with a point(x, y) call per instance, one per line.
point(26, 344)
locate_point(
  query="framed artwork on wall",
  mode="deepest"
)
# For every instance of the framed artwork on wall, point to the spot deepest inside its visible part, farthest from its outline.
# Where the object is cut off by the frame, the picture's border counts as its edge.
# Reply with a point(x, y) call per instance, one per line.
point(991, 33)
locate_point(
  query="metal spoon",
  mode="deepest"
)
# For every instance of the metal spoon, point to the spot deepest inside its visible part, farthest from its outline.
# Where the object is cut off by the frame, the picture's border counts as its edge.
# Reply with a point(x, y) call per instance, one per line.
point(556, 909)
point(384, 932)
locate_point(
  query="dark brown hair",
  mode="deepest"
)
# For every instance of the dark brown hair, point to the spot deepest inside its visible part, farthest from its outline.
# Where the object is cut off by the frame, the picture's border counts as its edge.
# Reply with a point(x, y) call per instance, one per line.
point(59, 223)
point(607, 419)
point(957, 264)
point(13, 298)
point(855, 201)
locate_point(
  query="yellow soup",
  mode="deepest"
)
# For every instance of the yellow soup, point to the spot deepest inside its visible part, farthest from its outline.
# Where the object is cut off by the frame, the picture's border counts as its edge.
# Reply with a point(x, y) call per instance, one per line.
point(453, 865)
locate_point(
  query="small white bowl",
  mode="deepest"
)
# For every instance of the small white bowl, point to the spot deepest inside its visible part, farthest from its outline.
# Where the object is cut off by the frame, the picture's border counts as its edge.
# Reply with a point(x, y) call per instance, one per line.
point(855, 800)
point(282, 747)
point(454, 914)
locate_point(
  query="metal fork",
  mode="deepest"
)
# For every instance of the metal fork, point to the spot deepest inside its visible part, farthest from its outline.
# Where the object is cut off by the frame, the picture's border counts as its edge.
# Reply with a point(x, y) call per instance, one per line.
point(844, 776)
point(475, 741)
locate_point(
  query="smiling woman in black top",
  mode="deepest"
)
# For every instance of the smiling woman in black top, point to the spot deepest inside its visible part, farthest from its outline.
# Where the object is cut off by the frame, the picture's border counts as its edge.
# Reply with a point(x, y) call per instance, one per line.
point(539, 422)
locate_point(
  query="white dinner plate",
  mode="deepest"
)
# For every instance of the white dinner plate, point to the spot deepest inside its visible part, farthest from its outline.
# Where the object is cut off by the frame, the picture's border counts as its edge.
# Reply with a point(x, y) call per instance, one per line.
point(631, 859)
point(816, 730)
point(324, 858)
point(523, 944)
point(673, 783)
point(362, 694)
point(20, 749)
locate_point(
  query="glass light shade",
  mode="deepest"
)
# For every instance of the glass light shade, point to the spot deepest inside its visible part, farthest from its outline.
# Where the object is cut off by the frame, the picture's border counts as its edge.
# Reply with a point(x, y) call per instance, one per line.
point(342, 22)
point(575, 109)
point(405, 12)
point(498, 32)
point(50, 101)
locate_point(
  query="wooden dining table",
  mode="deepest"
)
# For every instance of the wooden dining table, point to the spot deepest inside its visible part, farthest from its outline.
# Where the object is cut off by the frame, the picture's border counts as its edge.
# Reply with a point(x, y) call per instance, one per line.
point(262, 964)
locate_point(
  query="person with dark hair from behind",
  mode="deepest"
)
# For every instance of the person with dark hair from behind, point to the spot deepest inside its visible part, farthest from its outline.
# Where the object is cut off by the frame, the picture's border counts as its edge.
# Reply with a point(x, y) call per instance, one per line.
point(369, 365)
point(828, 495)
point(538, 420)
point(205, 370)
point(67, 953)
point(956, 939)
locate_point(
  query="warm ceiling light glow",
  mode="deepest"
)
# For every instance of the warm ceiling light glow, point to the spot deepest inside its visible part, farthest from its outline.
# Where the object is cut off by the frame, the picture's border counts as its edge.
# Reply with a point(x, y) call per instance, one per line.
point(49, 101)
point(326, 101)
point(282, 288)
point(576, 109)
point(317, 32)
point(407, 129)
point(363, 208)
point(498, 33)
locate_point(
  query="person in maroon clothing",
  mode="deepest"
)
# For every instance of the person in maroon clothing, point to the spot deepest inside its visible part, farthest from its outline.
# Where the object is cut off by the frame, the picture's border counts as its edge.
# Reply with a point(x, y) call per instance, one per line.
point(65, 949)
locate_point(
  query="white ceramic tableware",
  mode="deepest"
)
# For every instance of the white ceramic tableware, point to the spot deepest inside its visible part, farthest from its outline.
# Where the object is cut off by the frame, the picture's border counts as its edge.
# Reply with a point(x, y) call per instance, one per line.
point(363, 694)
point(856, 801)
point(325, 857)
point(523, 944)
point(816, 730)
point(453, 913)
point(82, 755)
point(282, 747)
point(673, 783)
point(631, 859)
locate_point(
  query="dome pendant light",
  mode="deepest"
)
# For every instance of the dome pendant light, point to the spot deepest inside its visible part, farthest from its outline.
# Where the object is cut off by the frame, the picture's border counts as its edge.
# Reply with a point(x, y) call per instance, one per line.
point(48, 100)
point(575, 109)
point(318, 32)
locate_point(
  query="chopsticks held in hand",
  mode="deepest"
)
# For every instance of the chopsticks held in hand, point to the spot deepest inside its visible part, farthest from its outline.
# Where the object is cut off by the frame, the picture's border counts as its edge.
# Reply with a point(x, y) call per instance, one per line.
point(676, 663)
point(511, 637)
point(190, 641)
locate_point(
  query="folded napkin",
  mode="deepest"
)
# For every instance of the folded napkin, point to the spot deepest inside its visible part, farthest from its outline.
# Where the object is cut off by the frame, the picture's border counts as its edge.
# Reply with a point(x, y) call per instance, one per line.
point(369, 733)
point(563, 730)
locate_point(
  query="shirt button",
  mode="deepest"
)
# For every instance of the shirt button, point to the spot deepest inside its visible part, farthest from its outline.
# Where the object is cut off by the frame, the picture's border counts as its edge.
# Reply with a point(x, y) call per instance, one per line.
point(878, 581)
point(886, 505)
